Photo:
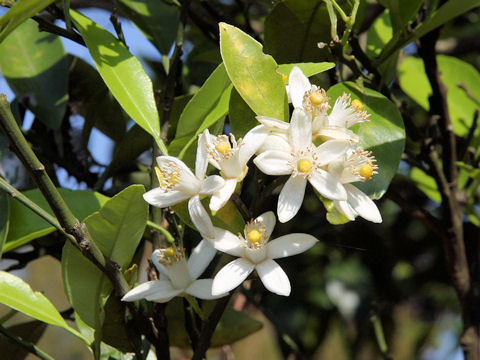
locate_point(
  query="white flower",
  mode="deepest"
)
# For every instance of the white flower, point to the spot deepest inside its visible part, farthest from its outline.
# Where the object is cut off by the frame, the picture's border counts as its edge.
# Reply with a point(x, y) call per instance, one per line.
point(254, 251)
point(358, 166)
point(178, 183)
point(304, 163)
point(314, 100)
point(231, 156)
point(178, 276)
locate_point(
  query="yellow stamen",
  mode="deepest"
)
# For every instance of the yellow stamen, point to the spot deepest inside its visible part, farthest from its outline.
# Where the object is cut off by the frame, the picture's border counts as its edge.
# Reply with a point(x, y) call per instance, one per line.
point(304, 165)
point(169, 252)
point(316, 98)
point(254, 236)
point(366, 171)
point(357, 104)
point(284, 78)
point(223, 147)
point(160, 176)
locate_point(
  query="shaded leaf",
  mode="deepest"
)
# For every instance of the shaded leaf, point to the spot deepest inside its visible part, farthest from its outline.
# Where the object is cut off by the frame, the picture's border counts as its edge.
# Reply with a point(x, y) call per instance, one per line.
point(17, 294)
point(35, 66)
point(426, 184)
point(294, 28)
point(117, 229)
point(26, 226)
point(240, 116)
point(253, 73)
point(18, 13)
point(157, 20)
point(454, 72)
point(122, 72)
point(384, 134)
point(4, 219)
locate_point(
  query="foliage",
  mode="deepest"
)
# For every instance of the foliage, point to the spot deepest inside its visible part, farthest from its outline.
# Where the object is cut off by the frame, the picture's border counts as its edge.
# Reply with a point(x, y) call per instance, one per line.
point(405, 90)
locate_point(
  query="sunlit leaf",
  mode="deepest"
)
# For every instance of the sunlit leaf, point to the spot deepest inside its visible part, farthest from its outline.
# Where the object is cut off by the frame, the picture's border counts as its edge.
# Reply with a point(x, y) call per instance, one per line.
point(454, 72)
point(253, 73)
point(122, 72)
point(19, 12)
point(384, 134)
point(426, 184)
point(17, 294)
point(308, 68)
point(379, 34)
point(26, 226)
point(35, 66)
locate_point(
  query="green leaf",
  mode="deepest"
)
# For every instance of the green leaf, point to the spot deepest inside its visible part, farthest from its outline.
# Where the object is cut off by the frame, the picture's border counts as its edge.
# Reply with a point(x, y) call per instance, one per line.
point(94, 101)
point(384, 134)
point(414, 83)
point(471, 171)
point(19, 12)
point(426, 184)
point(4, 219)
point(308, 68)
point(208, 105)
point(17, 294)
point(117, 229)
point(157, 20)
point(294, 28)
point(401, 12)
point(26, 226)
point(240, 116)
point(35, 66)
point(233, 326)
point(122, 72)
point(253, 73)
point(379, 34)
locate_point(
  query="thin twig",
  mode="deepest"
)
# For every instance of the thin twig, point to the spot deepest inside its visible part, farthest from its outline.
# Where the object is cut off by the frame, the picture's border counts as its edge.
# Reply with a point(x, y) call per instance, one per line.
point(28, 346)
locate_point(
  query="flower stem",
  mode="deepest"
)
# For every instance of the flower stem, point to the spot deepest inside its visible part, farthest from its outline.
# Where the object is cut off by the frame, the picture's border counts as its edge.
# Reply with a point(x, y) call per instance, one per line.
point(164, 232)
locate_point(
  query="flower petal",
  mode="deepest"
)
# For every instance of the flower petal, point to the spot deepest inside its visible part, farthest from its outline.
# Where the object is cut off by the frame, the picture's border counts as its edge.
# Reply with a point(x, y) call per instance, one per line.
point(273, 277)
point(200, 217)
point(199, 259)
point(289, 245)
point(275, 141)
point(291, 198)
point(202, 289)
point(268, 219)
point(231, 275)
point(201, 161)
point(211, 184)
point(327, 185)
point(252, 140)
point(158, 197)
point(298, 84)
point(152, 290)
point(345, 208)
point(209, 140)
point(362, 204)
point(186, 175)
point(331, 150)
point(273, 124)
point(274, 162)
point(337, 133)
point(227, 242)
point(300, 131)
point(222, 195)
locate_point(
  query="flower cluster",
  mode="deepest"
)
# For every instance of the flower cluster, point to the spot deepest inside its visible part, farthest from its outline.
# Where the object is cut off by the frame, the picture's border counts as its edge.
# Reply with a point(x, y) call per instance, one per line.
point(316, 146)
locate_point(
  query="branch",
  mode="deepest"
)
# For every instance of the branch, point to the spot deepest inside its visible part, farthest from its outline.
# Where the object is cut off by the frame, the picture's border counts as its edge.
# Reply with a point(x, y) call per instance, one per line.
point(28, 346)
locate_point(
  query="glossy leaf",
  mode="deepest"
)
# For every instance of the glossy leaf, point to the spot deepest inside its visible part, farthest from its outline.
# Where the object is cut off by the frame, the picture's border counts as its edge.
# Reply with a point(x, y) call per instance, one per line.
point(26, 226)
point(122, 72)
point(92, 99)
point(17, 294)
point(208, 105)
point(4, 219)
point(117, 229)
point(241, 117)
point(253, 73)
point(414, 82)
point(308, 68)
point(157, 20)
point(384, 134)
point(426, 184)
point(19, 12)
point(379, 34)
point(35, 66)
point(294, 28)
